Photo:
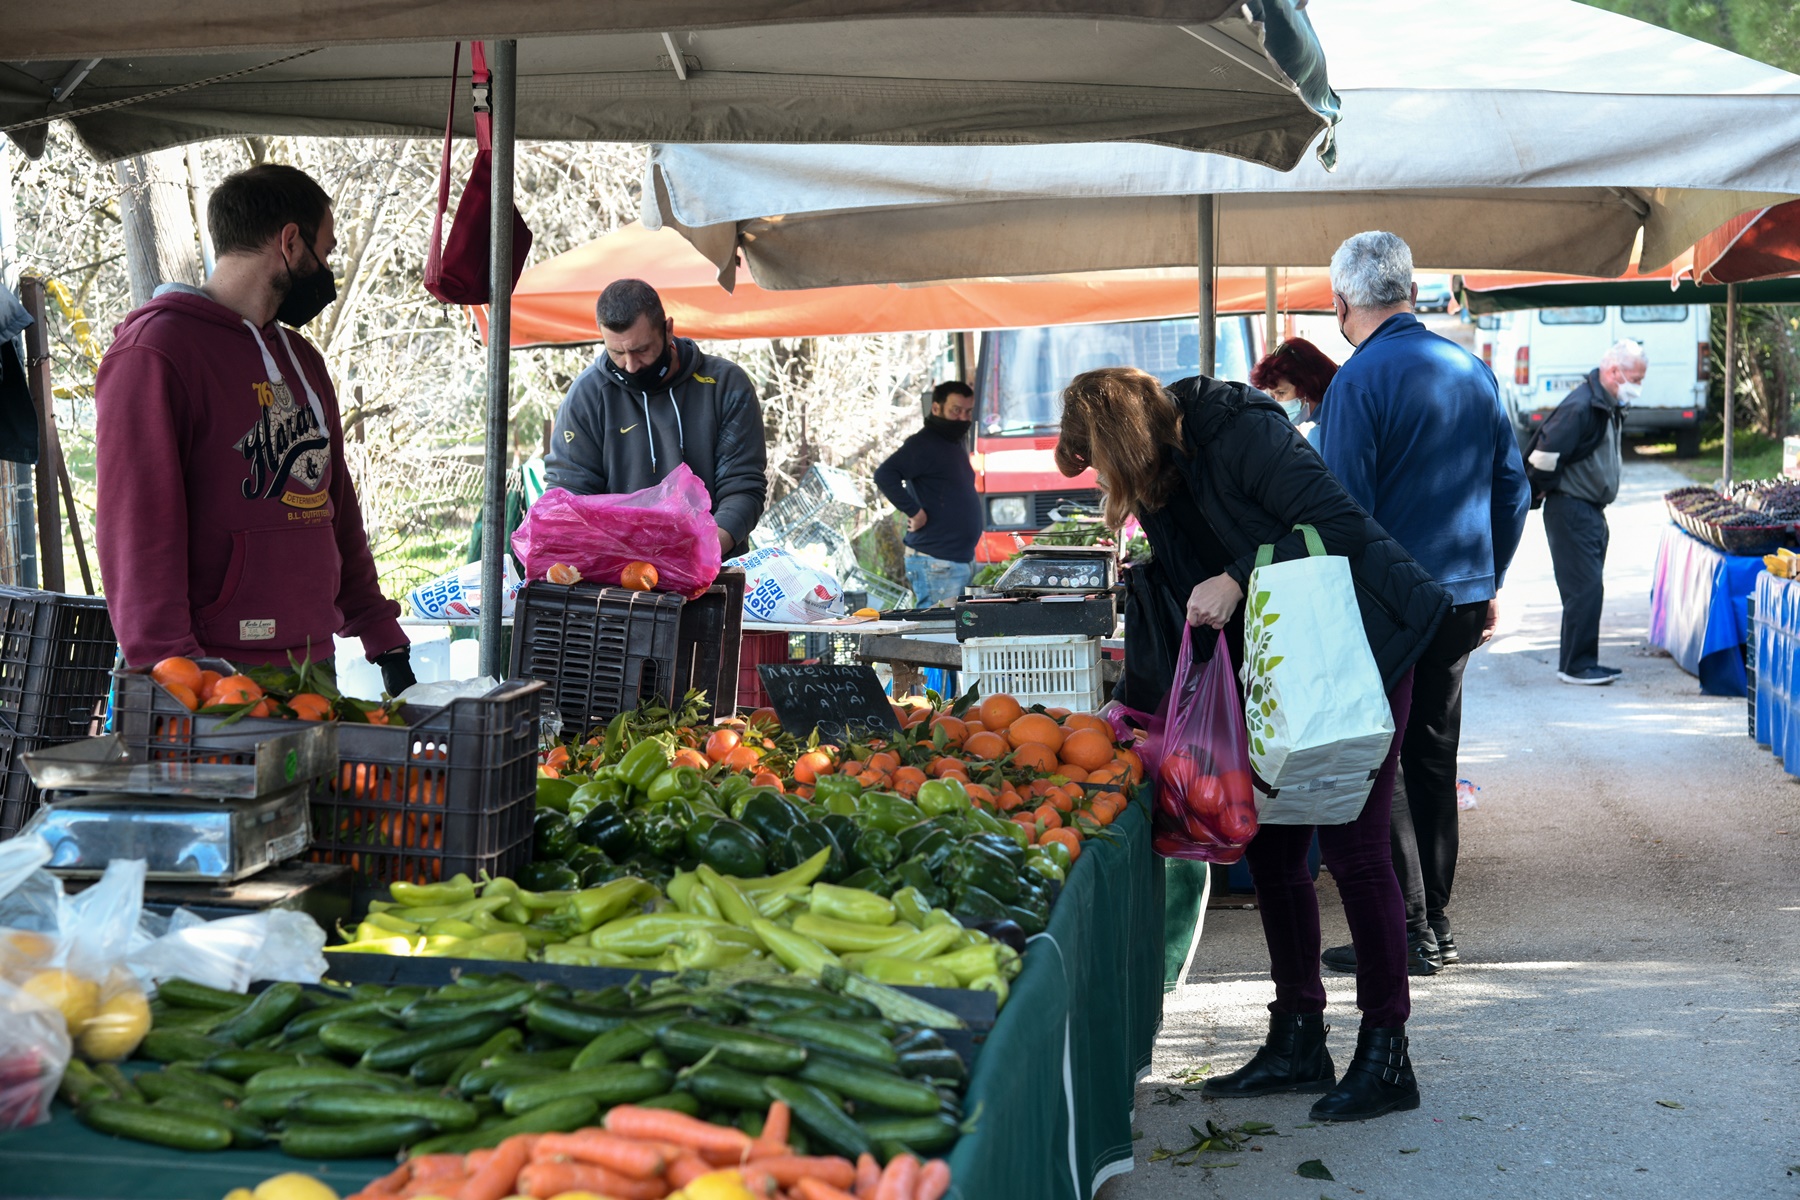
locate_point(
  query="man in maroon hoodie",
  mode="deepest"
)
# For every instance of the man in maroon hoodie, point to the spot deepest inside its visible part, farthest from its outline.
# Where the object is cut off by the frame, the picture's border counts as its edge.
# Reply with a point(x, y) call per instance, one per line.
point(227, 523)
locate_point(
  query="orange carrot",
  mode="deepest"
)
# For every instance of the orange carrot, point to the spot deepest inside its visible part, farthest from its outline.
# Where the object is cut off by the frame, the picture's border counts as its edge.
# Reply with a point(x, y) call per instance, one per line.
point(432, 1187)
point(758, 1182)
point(629, 1121)
point(388, 1185)
point(934, 1180)
point(631, 1159)
point(899, 1179)
point(814, 1189)
point(437, 1166)
point(494, 1178)
point(868, 1174)
point(545, 1179)
point(792, 1168)
point(777, 1123)
point(687, 1168)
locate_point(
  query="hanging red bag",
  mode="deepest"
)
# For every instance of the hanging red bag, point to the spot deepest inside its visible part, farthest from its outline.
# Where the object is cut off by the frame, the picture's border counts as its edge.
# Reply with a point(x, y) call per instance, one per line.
point(1198, 753)
point(457, 272)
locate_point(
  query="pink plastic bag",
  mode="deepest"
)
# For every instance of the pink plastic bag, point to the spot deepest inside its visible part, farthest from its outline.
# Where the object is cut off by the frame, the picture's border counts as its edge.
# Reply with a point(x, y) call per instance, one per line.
point(1198, 753)
point(669, 526)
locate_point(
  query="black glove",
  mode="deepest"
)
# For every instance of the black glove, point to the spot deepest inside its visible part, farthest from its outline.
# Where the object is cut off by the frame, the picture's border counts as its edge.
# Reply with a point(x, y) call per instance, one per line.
point(396, 670)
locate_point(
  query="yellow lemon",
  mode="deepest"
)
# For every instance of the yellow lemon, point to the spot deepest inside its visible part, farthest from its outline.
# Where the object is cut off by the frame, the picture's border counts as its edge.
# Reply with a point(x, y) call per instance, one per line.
point(114, 1031)
point(720, 1185)
point(76, 998)
point(293, 1186)
point(239, 1194)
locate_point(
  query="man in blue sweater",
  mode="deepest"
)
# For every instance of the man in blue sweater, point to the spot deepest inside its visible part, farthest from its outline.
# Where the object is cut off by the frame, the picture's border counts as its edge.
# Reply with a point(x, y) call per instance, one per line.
point(1413, 427)
point(930, 480)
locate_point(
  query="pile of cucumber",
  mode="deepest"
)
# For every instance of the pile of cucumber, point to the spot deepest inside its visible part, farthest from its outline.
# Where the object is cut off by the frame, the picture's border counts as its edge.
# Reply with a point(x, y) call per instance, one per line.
point(368, 1070)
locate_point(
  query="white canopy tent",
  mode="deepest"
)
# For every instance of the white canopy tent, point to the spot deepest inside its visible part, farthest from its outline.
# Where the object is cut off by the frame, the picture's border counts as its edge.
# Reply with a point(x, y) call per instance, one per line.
point(1534, 135)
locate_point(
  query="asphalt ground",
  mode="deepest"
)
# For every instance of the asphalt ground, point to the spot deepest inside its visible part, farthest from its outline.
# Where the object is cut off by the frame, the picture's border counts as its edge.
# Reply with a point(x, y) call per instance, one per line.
point(1626, 1018)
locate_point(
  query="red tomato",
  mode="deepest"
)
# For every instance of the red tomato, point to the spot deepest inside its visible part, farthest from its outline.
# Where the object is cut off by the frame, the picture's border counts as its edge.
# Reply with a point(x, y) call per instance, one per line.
point(1237, 823)
point(1238, 787)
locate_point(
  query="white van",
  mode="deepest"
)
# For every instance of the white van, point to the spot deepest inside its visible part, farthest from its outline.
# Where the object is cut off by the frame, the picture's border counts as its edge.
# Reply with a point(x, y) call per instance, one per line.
point(1541, 355)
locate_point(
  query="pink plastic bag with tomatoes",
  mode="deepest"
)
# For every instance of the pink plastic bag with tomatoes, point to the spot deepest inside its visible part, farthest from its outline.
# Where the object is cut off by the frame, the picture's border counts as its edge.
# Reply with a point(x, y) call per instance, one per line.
point(668, 525)
point(1199, 755)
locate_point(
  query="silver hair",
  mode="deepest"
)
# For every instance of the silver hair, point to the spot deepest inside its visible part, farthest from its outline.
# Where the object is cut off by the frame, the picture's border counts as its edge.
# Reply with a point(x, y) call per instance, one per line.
point(1624, 353)
point(1373, 270)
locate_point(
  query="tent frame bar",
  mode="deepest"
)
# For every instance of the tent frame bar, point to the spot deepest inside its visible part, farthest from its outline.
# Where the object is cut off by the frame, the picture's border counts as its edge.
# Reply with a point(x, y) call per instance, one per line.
point(503, 99)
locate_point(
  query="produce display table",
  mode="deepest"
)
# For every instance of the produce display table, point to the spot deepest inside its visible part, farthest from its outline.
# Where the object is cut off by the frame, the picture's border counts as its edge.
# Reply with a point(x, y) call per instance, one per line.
point(1777, 674)
point(1699, 609)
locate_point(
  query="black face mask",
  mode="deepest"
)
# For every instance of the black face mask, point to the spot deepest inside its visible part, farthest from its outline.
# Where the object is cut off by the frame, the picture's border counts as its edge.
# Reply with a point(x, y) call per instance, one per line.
point(307, 295)
point(648, 378)
point(944, 427)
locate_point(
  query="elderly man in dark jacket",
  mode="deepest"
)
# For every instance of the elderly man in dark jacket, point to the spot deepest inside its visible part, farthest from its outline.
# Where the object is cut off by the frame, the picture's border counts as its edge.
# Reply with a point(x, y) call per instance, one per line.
point(652, 400)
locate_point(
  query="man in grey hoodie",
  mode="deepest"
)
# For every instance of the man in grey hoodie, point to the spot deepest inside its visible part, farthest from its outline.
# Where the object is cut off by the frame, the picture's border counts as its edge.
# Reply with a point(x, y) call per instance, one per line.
point(653, 400)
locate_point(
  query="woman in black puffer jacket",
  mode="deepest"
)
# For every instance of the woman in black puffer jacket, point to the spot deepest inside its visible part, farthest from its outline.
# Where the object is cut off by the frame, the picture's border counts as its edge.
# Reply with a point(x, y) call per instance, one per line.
point(1214, 470)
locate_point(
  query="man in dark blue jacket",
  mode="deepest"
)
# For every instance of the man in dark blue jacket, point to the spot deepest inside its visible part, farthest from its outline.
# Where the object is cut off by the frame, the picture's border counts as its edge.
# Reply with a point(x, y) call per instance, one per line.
point(930, 480)
point(1413, 427)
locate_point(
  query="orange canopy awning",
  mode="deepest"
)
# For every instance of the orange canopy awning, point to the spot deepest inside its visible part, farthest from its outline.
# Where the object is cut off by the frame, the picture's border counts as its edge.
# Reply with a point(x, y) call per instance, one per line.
point(554, 302)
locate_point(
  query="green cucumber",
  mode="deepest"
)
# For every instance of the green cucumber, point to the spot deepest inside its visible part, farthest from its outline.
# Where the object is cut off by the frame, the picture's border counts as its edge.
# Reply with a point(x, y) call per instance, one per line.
point(871, 1086)
point(570, 1022)
point(80, 1085)
point(829, 1035)
point(184, 993)
point(310, 1046)
point(246, 1130)
point(934, 1064)
point(366, 1139)
point(745, 1049)
point(173, 1085)
point(927, 1135)
point(680, 1102)
point(316, 1019)
point(615, 1083)
point(431, 1011)
point(319, 1075)
point(485, 1078)
point(353, 1039)
point(799, 995)
point(409, 1047)
point(179, 1045)
point(434, 1069)
point(267, 1014)
point(556, 1116)
point(242, 1064)
point(560, 1058)
point(627, 1041)
point(654, 1057)
point(115, 1079)
point(224, 1088)
point(349, 1106)
point(820, 1118)
point(271, 1105)
point(140, 1122)
point(725, 1087)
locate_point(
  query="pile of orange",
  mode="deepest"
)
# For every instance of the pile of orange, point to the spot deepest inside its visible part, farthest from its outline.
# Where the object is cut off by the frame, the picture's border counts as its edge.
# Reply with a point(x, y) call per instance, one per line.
point(196, 688)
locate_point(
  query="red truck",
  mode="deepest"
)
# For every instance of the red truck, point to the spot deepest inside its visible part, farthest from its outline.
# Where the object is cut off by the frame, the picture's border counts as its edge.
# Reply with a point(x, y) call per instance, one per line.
point(1019, 377)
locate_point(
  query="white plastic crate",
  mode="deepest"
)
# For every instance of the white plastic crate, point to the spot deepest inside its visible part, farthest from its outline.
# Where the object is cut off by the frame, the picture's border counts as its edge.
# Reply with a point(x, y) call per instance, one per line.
point(1060, 670)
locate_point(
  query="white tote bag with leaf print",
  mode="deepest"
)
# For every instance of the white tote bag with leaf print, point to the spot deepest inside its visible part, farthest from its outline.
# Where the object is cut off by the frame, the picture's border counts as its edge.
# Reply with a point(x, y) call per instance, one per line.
point(1319, 721)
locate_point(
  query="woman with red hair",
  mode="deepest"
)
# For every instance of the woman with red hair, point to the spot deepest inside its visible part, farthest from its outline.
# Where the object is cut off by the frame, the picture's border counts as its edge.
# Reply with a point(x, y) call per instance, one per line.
point(1295, 375)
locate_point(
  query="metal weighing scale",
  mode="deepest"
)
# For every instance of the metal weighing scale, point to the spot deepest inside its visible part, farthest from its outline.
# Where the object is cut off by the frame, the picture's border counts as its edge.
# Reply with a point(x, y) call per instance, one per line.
point(189, 821)
point(1049, 590)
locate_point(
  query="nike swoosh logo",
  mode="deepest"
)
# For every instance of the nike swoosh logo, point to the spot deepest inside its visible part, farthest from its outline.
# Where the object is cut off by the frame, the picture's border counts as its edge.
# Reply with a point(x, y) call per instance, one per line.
point(628, 429)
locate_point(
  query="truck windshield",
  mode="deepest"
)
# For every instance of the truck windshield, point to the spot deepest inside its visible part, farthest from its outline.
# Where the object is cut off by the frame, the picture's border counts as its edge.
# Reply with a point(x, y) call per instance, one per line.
point(1023, 371)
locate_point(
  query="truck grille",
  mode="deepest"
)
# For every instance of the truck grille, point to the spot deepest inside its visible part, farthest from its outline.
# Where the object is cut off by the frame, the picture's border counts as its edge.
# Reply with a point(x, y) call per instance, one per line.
point(1044, 502)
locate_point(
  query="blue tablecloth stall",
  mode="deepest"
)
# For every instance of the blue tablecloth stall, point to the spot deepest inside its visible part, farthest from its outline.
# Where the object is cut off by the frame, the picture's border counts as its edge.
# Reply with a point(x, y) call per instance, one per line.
point(1699, 609)
point(1778, 668)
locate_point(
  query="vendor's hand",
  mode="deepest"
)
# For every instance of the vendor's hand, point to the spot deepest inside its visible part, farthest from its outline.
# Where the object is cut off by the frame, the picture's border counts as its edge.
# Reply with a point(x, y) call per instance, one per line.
point(396, 670)
point(1213, 601)
point(726, 542)
point(916, 522)
point(1492, 623)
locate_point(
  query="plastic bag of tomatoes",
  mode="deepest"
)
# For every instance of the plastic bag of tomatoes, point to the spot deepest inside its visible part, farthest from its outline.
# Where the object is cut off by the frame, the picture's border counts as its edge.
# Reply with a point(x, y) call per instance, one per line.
point(1198, 752)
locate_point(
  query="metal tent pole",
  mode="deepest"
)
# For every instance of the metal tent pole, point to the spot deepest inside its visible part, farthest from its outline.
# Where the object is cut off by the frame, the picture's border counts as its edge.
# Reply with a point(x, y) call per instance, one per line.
point(1731, 293)
point(504, 62)
point(1269, 317)
point(1206, 264)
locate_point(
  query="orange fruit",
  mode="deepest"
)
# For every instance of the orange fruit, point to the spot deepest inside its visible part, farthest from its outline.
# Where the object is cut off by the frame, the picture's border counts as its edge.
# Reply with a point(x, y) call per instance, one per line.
point(1088, 749)
point(1105, 811)
point(907, 781)
point(768, 779)
point(985, 745)
point(955, 730)
point(980, 794)
point(687, 756)
point(562, 573)
point(184, 671)
point(208, 681)
point(884, 760)
point(721, 742)
point(1048, 816)
point(945, 765)
point(1107, 773)
point(1009, 800)
point(639, 577)
point(971, 728)
point(1035, 755)
point(377, 716)
point(266, 708)
point(765, 717)
point(1068, 837)
point(1071, 772)
point(1060, 800)
point(1037, 728)
point(809, 766)
point(310, 706)
point(917, 716)
point(744, 758)
point(1000, 710)
point(1131, 759)
point(1075, 721)
point(1057, 711)
point(235, 690)
point(959, 775)
point(184, 694)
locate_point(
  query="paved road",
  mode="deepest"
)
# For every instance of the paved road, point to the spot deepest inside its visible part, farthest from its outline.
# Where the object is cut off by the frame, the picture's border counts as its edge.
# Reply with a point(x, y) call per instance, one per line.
point(1628, 905)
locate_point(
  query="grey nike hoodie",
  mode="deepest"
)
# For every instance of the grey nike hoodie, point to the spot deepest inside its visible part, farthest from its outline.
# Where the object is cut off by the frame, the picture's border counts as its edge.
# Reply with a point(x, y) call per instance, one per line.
point(612, 438)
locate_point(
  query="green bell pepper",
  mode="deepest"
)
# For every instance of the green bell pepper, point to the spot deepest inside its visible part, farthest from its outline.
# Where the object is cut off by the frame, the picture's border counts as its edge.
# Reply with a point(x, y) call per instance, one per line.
point(1003, 847)
point(974, 904)
point(731, 787)
point(454, 890)
point(868, 880)
point(659, 835)
point(552, 835)
point(940, 796)
point(673, 783)
point(1060, 853)
point(767, 814)
point(1038, 861)
point(728, 847)
point(837, 804)
point(888, 813)
point(915, 874)
point(875, 848)
point(554, 793)
point(643, 763)
point(600, 791)
point(808, 839)
point(917, 839)
point(837, 785)
point(551, 875)
point(852, 905)
point(973, 864)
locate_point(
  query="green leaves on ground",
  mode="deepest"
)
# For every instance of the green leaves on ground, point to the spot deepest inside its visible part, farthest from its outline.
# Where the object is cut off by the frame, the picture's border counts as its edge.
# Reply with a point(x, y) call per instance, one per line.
point(1213, 1140)
point(1670, 1103)
point(1312, 1168)
point(1169, 1095)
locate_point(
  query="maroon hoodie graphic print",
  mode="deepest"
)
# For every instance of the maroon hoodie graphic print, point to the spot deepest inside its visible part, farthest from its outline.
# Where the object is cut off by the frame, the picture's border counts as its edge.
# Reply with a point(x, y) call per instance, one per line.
point(227, 524)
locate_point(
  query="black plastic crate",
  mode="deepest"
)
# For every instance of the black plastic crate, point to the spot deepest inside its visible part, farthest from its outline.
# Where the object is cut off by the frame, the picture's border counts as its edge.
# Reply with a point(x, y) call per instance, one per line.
point(452, 790)
point(599, 649)
point(57, 653)
point(706, 650)
point(836, 648)
point(18, 795)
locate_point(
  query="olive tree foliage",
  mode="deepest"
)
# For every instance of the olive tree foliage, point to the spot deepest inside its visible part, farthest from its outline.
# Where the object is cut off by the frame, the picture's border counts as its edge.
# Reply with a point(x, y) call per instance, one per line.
point(411, 372)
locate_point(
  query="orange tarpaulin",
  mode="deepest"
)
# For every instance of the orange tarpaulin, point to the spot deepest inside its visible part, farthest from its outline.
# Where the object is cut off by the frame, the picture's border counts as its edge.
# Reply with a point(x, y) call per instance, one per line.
point(554, 303)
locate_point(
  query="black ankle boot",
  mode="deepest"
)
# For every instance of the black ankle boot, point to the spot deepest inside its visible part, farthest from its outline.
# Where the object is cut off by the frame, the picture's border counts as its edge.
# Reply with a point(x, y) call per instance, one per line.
point(1294, 1059)
point(1379, 1080)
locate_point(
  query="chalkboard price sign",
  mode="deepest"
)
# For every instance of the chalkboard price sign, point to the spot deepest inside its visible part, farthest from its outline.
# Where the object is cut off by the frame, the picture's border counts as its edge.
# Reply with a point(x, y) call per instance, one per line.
point(838, 701)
